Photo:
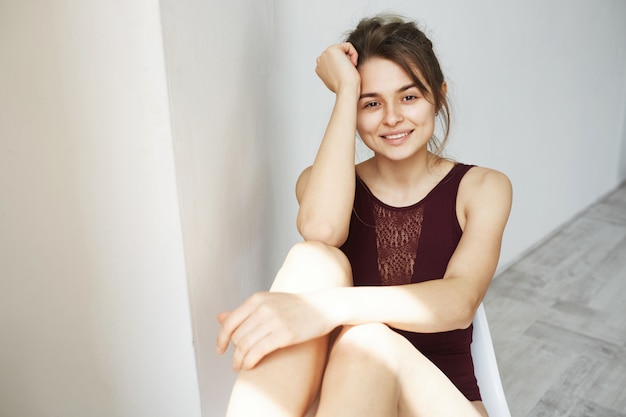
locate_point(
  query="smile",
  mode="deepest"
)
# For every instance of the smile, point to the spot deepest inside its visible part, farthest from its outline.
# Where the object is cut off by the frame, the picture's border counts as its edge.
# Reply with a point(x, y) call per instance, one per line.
point(396, 136)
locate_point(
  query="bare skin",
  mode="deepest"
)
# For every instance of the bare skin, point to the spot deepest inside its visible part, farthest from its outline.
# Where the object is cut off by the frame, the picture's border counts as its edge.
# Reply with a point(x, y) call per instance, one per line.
point(281, 338)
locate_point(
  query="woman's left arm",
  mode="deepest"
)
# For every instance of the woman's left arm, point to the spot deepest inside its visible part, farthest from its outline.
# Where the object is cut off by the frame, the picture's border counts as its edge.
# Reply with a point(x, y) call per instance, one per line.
point(269, 321)
point(483, 206)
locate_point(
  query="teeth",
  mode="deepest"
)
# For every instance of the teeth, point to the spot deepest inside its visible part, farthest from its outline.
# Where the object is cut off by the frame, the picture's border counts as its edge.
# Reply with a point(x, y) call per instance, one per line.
point(398, 136)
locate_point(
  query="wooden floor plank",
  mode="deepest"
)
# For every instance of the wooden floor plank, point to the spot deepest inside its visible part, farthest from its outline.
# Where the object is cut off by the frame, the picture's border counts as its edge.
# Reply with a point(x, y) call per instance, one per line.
point(558, 319)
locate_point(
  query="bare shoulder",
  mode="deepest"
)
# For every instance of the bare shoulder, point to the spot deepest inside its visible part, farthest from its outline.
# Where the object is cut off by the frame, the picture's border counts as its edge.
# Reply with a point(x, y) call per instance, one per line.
point(484, 192)
point(480, 179)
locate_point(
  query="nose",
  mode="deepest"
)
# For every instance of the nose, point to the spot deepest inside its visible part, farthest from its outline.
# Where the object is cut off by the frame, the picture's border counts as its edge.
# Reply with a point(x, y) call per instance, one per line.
point(393, 115)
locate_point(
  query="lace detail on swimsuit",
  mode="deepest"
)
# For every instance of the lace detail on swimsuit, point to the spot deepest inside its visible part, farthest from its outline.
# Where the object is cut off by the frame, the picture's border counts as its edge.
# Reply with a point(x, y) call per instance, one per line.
point(397, 238)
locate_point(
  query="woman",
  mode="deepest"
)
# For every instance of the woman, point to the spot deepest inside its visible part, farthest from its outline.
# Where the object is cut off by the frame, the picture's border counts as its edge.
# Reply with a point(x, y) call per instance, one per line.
point(372, 314)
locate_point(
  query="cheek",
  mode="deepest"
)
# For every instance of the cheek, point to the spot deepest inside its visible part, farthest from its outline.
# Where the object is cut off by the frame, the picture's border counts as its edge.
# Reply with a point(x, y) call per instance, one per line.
point(366, 123)
point(424, 113)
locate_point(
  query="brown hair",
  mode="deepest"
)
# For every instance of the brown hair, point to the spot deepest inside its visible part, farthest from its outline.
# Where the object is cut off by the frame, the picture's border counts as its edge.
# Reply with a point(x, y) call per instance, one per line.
point(396, 39)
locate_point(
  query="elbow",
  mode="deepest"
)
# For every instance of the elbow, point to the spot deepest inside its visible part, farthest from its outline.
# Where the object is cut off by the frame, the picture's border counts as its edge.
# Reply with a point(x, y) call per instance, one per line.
point(323, 232)
point(466, 314)
point(464, 300)
point(459, 322)
point(465, 322)
point(461, 311)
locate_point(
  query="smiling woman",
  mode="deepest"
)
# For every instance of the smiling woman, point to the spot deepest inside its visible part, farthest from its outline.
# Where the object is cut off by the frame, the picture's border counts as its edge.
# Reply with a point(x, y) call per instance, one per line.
point(372, 314)
point(393, 111)
point(407, 47)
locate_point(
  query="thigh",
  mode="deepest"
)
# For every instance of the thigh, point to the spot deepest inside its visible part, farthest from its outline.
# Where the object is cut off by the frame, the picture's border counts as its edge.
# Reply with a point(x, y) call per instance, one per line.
point(360, 379)
point(422, 389)
point(426, 391)
point(371, 366)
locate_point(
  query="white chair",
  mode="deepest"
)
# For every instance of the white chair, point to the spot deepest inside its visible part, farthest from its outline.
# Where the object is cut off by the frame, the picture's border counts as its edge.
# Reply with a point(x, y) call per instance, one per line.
point(486, 368)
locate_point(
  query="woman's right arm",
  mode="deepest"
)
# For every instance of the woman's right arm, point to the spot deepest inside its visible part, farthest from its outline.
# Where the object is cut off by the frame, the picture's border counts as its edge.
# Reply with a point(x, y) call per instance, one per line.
point(325, 191)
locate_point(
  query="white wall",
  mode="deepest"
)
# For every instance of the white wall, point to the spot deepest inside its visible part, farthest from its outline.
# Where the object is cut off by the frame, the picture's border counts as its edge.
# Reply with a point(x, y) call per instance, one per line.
point(538, 91)
point(218, 57)
point(94, 312)
point(125, 168)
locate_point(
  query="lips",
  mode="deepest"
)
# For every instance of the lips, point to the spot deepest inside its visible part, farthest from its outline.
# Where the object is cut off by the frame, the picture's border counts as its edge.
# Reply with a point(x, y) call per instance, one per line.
point(396, 136)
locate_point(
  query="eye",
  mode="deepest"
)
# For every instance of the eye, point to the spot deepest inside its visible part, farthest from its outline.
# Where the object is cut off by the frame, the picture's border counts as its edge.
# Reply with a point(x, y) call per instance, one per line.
point(371, 104)
point(410, 98)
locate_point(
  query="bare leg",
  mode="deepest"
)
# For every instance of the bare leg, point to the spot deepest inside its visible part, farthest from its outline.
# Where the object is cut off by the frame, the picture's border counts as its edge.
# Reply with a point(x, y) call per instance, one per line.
point(373, 371)
point(360, 377)
point(286, 382)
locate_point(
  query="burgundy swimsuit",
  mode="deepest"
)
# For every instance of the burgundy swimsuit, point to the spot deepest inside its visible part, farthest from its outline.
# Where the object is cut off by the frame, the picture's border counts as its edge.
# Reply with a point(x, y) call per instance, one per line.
point(393, 246)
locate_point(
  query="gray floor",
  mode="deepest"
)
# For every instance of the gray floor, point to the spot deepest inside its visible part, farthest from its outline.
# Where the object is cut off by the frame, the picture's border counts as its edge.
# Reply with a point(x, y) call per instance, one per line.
point(558, 319)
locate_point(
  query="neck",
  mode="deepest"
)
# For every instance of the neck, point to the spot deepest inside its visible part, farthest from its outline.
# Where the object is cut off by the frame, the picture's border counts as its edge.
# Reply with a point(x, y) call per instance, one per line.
point(404, 174)
point(402, 183)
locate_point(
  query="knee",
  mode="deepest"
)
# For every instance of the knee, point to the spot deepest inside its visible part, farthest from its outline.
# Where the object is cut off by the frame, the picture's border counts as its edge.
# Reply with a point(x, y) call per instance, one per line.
point(321, 257)
point(367, 344)
point(311, 266)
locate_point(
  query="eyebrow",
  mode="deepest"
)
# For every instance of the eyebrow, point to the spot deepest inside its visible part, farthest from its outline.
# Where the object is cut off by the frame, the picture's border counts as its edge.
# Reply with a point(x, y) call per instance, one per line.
point(400, 90)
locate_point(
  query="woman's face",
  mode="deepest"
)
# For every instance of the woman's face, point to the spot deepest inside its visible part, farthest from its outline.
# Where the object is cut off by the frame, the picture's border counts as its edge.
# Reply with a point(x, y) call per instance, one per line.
point(394, 119)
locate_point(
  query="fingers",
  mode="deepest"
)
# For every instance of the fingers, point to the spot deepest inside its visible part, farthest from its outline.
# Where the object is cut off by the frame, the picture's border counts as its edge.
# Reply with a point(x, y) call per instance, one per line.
point(251, 346)
point(262, 332)
point(248, 329)
point(351, 52)
point(230, 321)
point(264, 323)
point(222, 316)
point(336, 66)
point(345, 48)
point(348, 49)
point(259, 350)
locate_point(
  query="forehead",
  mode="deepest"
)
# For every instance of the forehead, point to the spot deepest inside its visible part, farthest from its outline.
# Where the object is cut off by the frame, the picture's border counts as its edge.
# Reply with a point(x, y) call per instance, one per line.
point(380, 75)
